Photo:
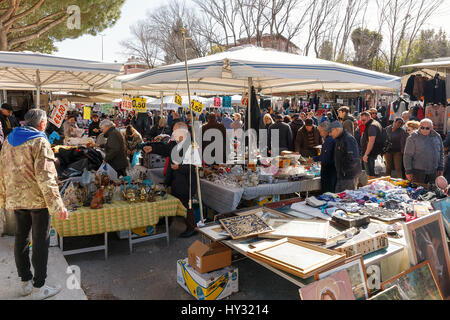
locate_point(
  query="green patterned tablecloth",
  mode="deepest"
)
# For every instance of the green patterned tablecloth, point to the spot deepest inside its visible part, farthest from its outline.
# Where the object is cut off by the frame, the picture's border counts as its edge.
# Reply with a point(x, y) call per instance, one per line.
point(118, 216)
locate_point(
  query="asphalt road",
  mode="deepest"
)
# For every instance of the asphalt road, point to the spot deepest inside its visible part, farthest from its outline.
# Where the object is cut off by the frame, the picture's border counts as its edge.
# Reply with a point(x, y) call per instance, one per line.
point(150, 273)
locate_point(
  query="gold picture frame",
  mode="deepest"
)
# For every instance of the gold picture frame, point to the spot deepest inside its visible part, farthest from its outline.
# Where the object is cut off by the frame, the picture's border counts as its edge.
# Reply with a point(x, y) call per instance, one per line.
point(244, 226)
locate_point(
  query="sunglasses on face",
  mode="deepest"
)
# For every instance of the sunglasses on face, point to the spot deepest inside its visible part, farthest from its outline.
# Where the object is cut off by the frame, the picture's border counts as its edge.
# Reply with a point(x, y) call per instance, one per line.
point(425, 128)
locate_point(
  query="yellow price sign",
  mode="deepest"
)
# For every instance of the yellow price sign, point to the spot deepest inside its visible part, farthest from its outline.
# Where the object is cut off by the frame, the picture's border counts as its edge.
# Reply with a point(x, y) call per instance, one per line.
point(86, 113)
point(140, 105)
point(178, 100)
point(197, 106)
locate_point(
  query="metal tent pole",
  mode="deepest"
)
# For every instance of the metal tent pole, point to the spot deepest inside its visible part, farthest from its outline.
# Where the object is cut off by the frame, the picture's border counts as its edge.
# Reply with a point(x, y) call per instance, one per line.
point(250, 84)
point(199, 191)
point(38, 89)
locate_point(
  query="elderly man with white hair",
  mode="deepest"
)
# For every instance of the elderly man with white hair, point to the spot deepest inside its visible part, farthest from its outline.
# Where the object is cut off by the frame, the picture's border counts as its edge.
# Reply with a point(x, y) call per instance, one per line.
point(115, 154)
point(424, 154)
point(406, 116)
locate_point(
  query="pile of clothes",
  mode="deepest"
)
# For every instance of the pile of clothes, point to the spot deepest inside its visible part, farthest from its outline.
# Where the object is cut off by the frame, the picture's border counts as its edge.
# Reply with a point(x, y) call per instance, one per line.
point(72, 162)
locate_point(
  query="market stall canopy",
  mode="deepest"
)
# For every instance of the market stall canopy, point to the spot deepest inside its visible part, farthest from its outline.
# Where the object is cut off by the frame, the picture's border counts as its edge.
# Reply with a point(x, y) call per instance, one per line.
point(30, 71)
point(434, 64)
point(169, 103)
point(272, 72)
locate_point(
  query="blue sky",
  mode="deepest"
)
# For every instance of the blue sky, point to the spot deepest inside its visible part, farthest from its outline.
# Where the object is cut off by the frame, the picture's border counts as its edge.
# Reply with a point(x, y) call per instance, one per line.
point(90, 48)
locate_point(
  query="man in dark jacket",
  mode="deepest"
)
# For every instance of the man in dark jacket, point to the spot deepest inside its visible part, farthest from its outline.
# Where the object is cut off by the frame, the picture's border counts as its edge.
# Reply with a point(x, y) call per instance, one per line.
point(371, 143)
point(207, 131)
point(178, 174)
point(346, 158)
point(8, 124)
point(94, 126)
point(328, 170)
point(308, 139)
point(347, 120)
point(296, 124)
point(115, 154)
point(285, 137)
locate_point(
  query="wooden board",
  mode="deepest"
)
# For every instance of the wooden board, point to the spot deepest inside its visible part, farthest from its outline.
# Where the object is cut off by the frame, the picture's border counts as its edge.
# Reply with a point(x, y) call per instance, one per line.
point(312, 231)
point(245, 226)
point(296, 257)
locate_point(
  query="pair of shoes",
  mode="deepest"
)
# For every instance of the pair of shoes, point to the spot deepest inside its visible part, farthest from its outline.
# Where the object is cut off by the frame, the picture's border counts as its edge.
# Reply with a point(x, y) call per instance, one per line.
point(26, 288)
point(45, 292)
point(188, 233)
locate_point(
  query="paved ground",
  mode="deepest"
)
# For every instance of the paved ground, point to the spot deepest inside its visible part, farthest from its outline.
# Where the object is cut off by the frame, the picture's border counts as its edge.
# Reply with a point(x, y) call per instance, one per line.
point(150, 272)
point(10, 282)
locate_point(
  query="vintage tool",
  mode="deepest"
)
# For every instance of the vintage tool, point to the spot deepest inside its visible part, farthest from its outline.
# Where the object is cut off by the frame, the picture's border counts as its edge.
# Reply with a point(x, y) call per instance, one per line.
point(97, 201)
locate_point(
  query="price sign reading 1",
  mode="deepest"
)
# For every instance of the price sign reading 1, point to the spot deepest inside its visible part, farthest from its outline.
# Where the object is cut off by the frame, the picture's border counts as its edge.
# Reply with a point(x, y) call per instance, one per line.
point(140, 105)
point(127, 104)
point(197, 106)
point(178, 100)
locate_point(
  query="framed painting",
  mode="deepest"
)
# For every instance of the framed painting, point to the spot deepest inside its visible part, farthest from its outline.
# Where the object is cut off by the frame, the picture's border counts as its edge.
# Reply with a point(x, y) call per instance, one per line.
point(245, 226)
point(427, 241)
point(394, 293)
point(444, 206)
point(334, 287)
point(296, 257)
point(311, 231)
point(417, 283)
point(357, 273)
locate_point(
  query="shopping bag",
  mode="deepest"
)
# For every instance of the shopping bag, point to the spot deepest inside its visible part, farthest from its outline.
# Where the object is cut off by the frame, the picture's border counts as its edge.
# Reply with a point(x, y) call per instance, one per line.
point(106, 168)
point(380, 166)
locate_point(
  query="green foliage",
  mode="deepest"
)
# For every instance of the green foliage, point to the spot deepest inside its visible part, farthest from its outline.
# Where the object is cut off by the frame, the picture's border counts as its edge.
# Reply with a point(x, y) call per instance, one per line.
point(96, 16)
point(367, 45)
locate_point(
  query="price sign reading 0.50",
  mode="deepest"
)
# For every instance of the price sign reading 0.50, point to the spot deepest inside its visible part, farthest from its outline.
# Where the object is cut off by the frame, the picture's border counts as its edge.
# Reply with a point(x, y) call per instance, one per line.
point(197, 106)
point(140, 104)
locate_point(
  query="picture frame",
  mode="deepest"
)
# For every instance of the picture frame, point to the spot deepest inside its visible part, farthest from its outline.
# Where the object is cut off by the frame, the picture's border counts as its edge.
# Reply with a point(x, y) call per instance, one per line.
point(296, 257)
point(336, 286)
point(303, 230)
point(244, 226)
point(214, 232)
point(357, 272)
point(393, 293)
point(427, 241)
point(417, 283)
point(443, 206)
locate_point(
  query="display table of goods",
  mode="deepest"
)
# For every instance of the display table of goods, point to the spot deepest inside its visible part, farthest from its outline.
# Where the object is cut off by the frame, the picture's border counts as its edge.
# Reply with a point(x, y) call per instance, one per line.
point(385, 241)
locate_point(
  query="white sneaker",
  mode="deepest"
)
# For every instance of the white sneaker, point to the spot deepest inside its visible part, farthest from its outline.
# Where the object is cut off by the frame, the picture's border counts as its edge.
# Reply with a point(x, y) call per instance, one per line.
point(45, 292)
point(26, 288)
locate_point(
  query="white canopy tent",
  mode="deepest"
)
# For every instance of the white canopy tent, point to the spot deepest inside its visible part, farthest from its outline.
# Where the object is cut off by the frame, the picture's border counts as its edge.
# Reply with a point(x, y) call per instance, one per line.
point(168, 103)
point(271, 72)
point(35, 71)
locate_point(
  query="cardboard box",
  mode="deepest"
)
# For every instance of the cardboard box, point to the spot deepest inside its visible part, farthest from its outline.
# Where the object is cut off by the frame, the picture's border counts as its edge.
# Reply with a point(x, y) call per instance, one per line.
point(215, 285)
point(206, 258)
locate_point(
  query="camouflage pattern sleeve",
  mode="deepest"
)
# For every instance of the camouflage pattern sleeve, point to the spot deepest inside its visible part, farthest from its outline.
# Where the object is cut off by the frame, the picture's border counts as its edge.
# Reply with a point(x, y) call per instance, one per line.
point(46, 176)
point(2, 188)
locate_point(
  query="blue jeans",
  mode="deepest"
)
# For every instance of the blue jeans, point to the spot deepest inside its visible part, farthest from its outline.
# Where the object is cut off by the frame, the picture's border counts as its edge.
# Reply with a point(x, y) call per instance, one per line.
point(369, 166)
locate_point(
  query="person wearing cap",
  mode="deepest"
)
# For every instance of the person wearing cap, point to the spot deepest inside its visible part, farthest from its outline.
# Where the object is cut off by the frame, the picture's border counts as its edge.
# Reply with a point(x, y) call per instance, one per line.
point(115, 154)
point(28, 186)
point(8, 124)
point(307, 139)
point(283, 131)
point(396, 141)
point(424, 154)
point(328, 177)
point(346, 158)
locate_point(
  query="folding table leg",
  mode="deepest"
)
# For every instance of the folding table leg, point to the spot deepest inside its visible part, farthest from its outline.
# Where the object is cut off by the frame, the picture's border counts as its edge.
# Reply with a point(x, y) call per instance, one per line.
point(167, 231)
point(61, 246)
point(106, 245)
point(130, 242)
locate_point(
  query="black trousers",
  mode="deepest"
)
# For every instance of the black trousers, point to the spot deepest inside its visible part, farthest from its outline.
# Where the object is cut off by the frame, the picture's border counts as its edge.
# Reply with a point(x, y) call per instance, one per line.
point(39, 222)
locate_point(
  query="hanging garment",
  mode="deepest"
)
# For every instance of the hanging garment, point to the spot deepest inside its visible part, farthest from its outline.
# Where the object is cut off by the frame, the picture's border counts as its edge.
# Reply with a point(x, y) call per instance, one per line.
point(437, 114)
point(435, 91)
point(410, 87)
point(419, 86)
point(397, 109)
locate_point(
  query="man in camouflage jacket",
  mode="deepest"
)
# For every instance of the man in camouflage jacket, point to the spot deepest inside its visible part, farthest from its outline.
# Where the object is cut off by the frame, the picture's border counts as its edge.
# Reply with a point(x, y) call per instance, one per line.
point(28, 186)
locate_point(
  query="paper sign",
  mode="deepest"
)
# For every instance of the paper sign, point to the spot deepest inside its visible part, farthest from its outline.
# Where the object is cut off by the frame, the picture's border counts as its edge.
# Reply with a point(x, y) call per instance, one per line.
point(108, 109)
point(226, 102)
point(127, 103)
point(140, 105)
point(340, 101)
point(59, 113)
point(244, 101)
point(197, 106)
point(178, 100)
point(86, 113)
point(217, 102)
